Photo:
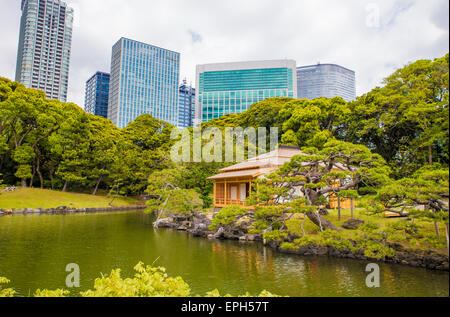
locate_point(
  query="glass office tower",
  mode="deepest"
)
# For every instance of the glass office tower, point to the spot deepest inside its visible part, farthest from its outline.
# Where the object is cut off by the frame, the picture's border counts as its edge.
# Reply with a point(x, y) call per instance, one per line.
point(97, 94)
point(45, 42)
point(144, 79)
point(326, 80)
point(233, 87)
point(186, 106)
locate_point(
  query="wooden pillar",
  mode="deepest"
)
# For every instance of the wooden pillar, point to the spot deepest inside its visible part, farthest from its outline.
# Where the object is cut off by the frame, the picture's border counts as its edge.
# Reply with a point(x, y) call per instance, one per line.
point(226, 194)
point(215, 194)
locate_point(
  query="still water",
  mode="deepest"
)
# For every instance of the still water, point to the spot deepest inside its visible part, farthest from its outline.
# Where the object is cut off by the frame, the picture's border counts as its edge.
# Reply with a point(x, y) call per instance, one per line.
point(34, 252)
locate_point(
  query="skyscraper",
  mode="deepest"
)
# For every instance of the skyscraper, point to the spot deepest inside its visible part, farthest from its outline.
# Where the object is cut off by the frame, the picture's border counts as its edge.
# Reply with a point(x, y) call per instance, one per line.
point(186, 106)
point(45, 41)
point(97, 94)
point(326, 80)
point(232, 87)
point(144, 79)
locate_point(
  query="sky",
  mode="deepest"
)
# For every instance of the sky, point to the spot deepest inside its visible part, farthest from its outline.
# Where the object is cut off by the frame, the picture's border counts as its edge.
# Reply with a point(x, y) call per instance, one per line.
point(370, 37)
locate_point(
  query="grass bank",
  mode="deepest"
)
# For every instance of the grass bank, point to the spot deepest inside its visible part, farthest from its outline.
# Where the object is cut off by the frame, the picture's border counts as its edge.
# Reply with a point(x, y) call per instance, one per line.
point(424, 239)
point(42, 198)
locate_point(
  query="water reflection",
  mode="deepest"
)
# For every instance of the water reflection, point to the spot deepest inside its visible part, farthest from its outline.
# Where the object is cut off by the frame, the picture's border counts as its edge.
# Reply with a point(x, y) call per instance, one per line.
point(36, 249)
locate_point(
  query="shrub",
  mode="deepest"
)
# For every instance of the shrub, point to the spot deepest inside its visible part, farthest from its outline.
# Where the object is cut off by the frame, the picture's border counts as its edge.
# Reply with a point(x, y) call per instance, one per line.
point(305, 241)
point(289, 246)
point(55, 293)
point(269, 212)
point(226, 216)
point(147, 282)
point(369, 227)
point(258, 227)
point(8, 292)
point(275, 235)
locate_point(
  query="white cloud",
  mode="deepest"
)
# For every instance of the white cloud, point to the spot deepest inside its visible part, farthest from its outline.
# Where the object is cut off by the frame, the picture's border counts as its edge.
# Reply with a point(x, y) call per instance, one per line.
point(206, 31)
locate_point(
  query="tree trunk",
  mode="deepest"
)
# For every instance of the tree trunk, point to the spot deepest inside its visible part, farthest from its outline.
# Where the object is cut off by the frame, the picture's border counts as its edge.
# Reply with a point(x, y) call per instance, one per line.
point(446, 237)
point(339, 208)
point(65, 187)
point(96, 186)
point(430, 154)
point(51, 179)
point(351, 201)
point(320, 221)
point(41, 179)
point(436, 228)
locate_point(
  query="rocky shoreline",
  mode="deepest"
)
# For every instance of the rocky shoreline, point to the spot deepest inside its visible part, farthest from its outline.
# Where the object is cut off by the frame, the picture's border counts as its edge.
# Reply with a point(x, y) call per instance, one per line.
point(198, 226)
point(64, 210)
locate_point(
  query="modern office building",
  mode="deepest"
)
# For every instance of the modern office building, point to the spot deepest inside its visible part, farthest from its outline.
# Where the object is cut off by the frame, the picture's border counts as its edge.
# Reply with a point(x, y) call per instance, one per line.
point(232, 87)
point(144, 79)
point(45, 39)
point(97, 94)
point(326, 80)
point(186, 106)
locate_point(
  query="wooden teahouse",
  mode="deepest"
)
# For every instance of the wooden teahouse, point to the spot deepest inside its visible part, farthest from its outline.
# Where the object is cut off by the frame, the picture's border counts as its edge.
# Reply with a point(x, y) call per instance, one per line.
point(234, 184)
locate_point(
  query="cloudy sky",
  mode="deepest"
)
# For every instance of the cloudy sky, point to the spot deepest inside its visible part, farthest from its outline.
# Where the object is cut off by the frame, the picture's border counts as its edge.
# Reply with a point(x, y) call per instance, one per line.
point(372, 37)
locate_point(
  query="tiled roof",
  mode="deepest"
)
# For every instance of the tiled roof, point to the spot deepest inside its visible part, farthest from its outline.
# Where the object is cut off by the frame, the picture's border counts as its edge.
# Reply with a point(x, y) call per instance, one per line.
point(275, 158)
point(255, 172)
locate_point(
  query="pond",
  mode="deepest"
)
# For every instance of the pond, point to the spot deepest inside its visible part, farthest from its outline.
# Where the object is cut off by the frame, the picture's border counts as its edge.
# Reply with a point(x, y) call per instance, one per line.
point(34, 252)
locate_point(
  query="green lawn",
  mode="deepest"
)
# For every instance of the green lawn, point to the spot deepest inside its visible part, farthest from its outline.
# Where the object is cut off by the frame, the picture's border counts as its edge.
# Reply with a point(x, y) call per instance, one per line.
point(41, 198)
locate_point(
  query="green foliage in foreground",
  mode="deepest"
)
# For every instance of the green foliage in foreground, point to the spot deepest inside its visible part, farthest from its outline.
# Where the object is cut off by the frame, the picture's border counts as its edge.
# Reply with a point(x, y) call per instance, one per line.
point(8, 292)
point(147, 282)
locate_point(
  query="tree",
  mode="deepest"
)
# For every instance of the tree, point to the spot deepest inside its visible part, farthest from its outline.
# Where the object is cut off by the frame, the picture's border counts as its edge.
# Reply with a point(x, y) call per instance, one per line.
point(406, 120)
point(167, 196)
point(313, 122)
point(338, 167)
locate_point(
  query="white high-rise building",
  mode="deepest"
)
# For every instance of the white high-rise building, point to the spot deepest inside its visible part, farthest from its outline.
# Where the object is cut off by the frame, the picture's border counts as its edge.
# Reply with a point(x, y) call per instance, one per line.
point(45, 40)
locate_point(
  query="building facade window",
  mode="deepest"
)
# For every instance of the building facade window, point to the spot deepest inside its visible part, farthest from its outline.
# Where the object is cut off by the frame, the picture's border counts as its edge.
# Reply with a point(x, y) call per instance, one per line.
point(97, 94)
point(326, 80)
point(144, 80)
point(233, 87)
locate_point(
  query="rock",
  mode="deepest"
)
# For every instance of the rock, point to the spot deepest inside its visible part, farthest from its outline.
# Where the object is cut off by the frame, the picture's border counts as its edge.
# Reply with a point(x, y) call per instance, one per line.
point(243, 238)
point(202, 226)
point(352, 224)
point(182, 228)
point(164, 223)
point(186, 224)
point(220, 233)
point(323, 212)
point(251, 237)
point(211, 236)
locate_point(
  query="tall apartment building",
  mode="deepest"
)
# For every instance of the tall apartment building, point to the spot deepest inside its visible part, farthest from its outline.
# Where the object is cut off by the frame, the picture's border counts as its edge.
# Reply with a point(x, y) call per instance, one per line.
point(186, 106)
point(326, 80)
point(97, 94)
point(45, 40)
point(144, 79)
point(232, 87)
